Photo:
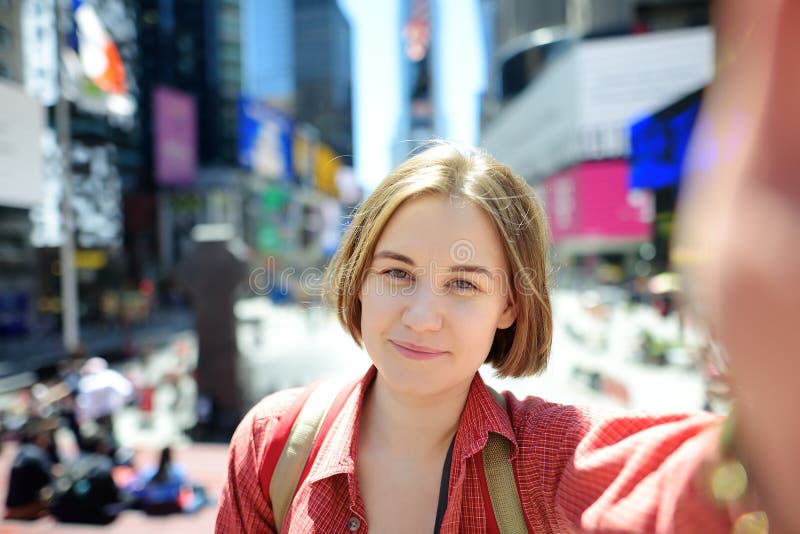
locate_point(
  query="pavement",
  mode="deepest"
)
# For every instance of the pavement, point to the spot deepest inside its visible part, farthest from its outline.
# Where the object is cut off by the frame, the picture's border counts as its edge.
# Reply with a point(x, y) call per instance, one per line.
point(204, 462)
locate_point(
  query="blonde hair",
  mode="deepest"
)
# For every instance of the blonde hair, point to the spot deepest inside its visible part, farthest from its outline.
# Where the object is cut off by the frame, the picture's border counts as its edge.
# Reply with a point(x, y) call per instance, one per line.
point(468, 175)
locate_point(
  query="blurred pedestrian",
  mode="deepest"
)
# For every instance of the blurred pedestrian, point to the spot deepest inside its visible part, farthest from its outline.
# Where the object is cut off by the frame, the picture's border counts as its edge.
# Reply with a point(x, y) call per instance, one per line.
point(101, 393)
point(70, 368)
point(31, 471)
point(87, 491)
point(167, 488)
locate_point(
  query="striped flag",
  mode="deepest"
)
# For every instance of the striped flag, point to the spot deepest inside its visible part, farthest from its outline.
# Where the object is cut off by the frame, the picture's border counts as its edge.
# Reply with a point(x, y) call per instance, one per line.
point(99, 57)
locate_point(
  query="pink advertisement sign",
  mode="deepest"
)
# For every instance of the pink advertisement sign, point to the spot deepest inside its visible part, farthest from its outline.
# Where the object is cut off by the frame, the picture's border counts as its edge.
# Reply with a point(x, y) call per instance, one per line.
point(174, 136)
point(592, 201)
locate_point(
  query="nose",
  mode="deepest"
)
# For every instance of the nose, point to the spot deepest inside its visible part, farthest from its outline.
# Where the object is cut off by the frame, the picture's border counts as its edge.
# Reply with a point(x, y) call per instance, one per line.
point(422, 312)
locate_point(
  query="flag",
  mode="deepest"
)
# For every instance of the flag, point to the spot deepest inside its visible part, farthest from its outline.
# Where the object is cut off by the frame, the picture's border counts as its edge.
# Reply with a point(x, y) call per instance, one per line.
point(99, 57)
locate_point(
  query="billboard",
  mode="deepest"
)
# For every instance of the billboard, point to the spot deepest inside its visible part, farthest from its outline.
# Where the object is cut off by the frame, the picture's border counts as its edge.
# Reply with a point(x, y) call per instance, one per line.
point(174, 137)
point(659, 144)
point(591, 201)
point(21, 123)
point(581, 105)
point(98, 53)
point(622, 79)
point(40, 50)
point(265, 139)
point(326, 166)
point(96, 195)
point(101, 55)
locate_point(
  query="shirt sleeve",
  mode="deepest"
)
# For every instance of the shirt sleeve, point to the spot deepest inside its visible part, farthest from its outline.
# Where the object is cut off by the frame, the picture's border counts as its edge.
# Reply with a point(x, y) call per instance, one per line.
point(243, 506)
point(638, 474)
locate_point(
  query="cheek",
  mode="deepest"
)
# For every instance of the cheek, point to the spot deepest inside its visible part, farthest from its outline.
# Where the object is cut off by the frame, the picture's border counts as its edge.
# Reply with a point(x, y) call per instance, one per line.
point(475, 323)
point(376, 296)
point(378, 306)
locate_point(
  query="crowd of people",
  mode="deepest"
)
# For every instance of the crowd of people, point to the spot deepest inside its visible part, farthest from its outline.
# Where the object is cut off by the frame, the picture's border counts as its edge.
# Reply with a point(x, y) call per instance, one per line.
point(69, 463)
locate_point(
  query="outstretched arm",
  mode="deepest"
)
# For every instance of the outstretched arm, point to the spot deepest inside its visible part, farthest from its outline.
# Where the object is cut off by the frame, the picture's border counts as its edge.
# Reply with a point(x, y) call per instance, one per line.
point(741, 223)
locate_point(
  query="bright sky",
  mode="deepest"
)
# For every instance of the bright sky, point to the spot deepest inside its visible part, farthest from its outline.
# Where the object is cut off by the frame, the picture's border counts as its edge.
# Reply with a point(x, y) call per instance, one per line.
point(458, 78)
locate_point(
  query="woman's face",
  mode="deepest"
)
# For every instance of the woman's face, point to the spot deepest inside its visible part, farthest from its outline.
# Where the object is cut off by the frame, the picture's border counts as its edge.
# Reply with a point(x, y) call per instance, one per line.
point(435, 294)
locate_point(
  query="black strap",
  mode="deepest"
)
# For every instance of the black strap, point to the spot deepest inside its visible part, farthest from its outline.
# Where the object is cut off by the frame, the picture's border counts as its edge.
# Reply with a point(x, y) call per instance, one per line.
point(443, 488)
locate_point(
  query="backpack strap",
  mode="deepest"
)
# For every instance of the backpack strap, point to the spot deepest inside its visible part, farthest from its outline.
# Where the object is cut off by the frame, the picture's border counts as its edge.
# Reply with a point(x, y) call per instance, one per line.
point(279, 437)
point(501, 484)
point(296, 443)
point(301, 432)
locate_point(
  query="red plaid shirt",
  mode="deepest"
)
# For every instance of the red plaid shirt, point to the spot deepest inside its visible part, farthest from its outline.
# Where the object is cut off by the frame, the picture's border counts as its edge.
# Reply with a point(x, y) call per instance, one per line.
point(576, 470)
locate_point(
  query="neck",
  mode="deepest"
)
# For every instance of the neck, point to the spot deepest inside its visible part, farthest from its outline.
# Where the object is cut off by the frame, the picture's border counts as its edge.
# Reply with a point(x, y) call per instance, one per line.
point(410, 425)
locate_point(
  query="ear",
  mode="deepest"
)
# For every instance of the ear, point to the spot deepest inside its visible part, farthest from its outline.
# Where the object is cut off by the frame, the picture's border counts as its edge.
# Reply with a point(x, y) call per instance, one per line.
point(508, 316)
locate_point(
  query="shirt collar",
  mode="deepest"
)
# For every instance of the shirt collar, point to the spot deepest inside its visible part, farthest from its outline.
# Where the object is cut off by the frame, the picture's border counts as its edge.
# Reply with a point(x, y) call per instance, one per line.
point(480, 416)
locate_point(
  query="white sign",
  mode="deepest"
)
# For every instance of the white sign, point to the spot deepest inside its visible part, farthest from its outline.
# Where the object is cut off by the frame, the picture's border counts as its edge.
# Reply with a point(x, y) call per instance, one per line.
point(40, 50)
point(580, 107)
point(21, 123)
point(46, 217)
point(623, 79)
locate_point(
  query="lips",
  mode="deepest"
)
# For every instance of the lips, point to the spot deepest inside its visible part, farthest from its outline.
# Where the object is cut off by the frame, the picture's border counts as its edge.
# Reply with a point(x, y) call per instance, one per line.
point(416, 352)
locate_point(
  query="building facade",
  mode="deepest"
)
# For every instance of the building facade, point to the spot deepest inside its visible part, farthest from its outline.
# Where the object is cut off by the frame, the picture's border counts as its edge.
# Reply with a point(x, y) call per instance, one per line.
point(323, 72)
point(569, 80)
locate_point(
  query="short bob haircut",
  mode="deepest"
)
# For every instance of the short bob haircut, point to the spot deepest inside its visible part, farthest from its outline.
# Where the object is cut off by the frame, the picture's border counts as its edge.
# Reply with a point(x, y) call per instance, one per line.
point(466, 175)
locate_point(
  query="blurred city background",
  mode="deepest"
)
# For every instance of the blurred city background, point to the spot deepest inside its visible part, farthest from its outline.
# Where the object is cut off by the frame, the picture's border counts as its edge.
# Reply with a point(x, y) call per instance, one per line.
point(175, 175)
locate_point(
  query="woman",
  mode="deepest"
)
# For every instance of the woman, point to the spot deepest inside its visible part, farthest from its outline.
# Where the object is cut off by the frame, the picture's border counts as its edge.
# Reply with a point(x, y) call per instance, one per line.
point(444, 268)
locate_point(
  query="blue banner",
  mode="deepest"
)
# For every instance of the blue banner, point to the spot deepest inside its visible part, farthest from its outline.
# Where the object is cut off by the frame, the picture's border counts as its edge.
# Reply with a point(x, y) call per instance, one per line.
point(659, 144)
point(265, 140)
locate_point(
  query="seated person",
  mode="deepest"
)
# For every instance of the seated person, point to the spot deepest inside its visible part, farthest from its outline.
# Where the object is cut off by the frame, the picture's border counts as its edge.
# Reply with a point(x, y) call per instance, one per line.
point(88, 491)
point(31, 471)
point(166, 489)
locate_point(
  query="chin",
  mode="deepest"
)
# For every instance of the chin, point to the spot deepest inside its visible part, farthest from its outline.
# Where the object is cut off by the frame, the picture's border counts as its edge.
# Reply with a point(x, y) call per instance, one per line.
point(411, 377)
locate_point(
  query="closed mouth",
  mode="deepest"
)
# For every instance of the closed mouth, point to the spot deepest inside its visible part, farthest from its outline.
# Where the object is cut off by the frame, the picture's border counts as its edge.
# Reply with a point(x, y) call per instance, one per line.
point(417, 353)
point(417, 348)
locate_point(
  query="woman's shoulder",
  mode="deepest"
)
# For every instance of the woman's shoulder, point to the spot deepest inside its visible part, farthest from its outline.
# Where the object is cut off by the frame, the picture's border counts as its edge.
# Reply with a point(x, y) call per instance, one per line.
point(276, 404)
point(255, 428)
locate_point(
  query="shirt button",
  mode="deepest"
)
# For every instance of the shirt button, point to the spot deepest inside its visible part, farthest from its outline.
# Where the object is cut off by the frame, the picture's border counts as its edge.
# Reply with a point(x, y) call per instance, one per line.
point(353, 524)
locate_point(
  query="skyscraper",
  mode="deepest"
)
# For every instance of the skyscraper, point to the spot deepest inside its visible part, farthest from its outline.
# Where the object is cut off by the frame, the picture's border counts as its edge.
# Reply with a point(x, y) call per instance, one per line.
point(268, 59)
point(322, 73)
point(194, 48)
point(296, 55)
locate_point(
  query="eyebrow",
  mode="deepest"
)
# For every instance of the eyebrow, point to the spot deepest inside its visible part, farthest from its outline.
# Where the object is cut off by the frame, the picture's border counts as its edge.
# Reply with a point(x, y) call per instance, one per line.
point(388, 254)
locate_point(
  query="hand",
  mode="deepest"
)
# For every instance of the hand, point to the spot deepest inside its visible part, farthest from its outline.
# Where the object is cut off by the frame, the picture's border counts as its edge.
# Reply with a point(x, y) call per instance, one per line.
point(739, 234)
